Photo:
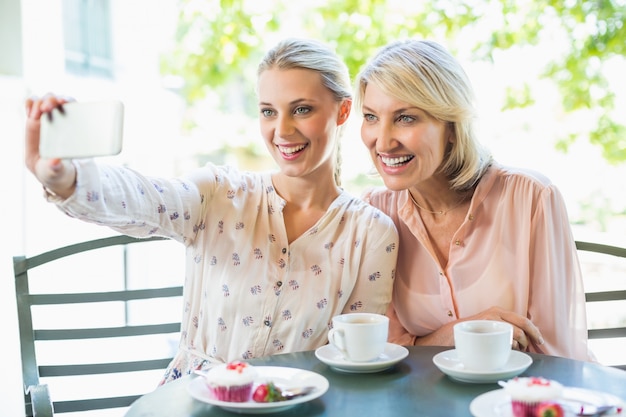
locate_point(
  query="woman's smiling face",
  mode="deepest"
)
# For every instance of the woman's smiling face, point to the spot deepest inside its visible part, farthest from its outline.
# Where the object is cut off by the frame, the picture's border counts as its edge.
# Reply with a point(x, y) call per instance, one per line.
point(299, 117)
point(406, 144)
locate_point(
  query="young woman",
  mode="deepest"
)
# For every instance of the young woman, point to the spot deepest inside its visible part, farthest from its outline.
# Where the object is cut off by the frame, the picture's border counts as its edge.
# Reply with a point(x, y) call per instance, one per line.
point(477, 240)
point(271, 257)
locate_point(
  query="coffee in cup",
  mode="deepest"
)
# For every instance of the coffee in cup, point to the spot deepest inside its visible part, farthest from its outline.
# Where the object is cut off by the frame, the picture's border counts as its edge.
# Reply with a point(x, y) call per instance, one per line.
point(483, 345)
point(360, 337)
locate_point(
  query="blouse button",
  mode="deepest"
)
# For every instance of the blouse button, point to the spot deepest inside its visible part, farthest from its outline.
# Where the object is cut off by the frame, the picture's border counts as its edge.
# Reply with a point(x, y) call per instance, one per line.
point(279, 283)
point(449, 313)
point(284, 251)
point(267, 323)
point(457, 242)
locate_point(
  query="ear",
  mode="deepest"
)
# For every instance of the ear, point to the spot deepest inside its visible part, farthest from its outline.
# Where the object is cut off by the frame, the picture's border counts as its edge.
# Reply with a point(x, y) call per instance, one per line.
point(450, 132)
point(344, 111)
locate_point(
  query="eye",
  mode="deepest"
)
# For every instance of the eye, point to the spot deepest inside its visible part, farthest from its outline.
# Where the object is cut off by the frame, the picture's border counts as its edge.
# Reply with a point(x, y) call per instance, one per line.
point(302, 110)
point(267, 112)
point(406, 119)
point(369, 117)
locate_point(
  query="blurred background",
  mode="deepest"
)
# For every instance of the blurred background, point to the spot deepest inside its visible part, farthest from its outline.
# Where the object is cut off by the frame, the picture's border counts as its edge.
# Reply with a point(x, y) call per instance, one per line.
point(548, 78)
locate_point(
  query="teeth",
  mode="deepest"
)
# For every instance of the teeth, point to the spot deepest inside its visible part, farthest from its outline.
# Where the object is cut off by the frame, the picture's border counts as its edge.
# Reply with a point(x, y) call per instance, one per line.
point(291, 149)
point(395, 161)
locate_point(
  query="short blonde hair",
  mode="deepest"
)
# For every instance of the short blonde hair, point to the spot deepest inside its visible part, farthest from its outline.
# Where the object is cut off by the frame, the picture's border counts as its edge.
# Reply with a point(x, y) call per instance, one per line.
point(424, 74)
point(297, 53)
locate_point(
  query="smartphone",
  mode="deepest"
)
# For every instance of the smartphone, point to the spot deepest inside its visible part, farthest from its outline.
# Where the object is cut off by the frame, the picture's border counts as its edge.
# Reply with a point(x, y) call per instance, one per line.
point(83, 130)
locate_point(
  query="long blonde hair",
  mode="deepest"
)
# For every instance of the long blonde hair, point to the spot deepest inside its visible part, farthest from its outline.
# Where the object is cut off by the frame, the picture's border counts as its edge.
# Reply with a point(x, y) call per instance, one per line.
point(424, 74)
point(313, 55)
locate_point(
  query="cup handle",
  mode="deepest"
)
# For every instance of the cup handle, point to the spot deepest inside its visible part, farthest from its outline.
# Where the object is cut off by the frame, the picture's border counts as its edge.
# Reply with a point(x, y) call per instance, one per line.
point(336, 338)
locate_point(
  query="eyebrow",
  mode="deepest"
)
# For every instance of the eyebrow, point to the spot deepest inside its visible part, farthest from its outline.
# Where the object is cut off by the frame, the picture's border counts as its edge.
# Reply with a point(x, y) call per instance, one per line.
point(291, 103)
point(398, 111)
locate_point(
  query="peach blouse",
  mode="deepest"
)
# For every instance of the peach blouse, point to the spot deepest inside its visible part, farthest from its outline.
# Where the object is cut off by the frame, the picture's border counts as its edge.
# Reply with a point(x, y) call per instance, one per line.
point(514, 250)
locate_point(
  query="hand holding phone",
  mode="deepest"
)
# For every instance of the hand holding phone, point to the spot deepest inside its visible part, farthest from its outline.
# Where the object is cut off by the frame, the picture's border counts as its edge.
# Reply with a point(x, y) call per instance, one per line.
point(82, 130)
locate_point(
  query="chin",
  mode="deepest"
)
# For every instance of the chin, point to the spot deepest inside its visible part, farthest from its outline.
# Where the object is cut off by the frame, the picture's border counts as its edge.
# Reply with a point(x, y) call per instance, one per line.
point(392, 185)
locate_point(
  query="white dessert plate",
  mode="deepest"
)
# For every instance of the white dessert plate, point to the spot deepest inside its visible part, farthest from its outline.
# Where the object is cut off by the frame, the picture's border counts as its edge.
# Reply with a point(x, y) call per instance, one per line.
point(332, 357)
point(497, 403)
point(281, 376)
point(448, 362)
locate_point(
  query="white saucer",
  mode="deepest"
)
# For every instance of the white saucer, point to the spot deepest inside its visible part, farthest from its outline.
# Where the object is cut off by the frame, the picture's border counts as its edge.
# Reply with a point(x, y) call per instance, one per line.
point(498, 403)
point(448, 362)
point(332, 357)
point(282, 376)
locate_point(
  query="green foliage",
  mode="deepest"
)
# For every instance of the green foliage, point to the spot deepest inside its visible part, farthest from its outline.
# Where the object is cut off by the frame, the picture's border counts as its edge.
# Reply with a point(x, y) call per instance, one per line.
point(596, 31)
point(216, 42)
point(219, 41)
point(358, 28)
point(611, 137)
point(518, 97)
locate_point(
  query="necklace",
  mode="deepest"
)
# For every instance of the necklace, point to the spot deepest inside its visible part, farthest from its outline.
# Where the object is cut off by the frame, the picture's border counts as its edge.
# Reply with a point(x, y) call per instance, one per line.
point(441, 212)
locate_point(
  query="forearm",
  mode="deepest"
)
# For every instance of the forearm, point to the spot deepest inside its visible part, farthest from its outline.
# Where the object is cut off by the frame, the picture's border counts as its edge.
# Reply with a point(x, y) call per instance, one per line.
point(130, 203)
point(443, 336)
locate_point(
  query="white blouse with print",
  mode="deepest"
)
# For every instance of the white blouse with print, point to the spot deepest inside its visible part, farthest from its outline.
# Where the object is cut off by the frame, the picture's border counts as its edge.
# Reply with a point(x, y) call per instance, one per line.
point(247, 292)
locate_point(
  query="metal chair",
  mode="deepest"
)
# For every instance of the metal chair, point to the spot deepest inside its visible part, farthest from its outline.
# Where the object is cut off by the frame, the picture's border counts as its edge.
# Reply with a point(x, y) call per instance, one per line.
point(71, 337)
point(607, 297)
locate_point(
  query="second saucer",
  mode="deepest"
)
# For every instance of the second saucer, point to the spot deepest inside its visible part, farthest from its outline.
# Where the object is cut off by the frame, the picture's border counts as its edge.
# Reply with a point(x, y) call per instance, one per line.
point(448, 362)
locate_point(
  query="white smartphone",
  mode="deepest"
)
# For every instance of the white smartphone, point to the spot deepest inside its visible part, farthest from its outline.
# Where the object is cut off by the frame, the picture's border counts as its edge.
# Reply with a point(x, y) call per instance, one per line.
point(83, 130)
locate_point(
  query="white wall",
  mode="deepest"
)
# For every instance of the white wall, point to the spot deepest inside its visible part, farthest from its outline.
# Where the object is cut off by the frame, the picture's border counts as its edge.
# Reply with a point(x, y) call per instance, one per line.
point(32, 63)
point(11, 117)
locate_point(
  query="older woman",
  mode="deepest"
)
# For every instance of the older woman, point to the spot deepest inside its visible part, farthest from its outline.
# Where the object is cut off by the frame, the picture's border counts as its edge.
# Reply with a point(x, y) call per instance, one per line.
point(478, 240)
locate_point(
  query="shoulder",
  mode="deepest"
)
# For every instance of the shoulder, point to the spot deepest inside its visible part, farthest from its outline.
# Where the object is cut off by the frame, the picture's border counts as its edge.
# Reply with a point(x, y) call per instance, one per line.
point(523, 174)
point(363, 219)
point(226, 176)
point(361, 210)
point(515, 179)
point(517, 184)
point(383, 199)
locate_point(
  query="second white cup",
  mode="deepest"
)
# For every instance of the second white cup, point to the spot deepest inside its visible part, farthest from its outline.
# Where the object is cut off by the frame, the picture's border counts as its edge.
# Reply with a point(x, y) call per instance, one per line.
point(483, 345)
point(360, 337)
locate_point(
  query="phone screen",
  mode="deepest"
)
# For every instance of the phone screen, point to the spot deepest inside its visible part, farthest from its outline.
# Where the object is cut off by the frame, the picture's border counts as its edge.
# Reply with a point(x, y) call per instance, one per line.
point(83, 130)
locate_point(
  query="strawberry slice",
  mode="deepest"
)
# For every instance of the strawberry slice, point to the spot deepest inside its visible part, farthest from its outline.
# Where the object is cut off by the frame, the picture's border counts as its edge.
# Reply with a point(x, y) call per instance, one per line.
point(549, 409)
point(267, 393)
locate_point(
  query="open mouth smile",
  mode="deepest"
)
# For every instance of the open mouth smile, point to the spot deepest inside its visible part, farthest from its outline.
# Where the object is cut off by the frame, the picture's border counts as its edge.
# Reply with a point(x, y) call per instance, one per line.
point(397, 161)
point(291, 150)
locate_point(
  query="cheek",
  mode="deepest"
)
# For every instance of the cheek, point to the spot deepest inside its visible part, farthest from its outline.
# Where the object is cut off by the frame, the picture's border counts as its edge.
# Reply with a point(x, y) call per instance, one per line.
point(366, 136)
point(266, 131)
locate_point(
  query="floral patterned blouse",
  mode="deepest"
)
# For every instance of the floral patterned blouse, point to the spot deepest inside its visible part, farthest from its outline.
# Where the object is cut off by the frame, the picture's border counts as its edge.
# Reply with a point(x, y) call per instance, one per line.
point(248, 292)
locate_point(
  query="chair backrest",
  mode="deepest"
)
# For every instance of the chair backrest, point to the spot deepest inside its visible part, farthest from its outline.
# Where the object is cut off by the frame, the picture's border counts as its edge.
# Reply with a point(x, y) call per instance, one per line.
point(93, 335)
point(605, 286)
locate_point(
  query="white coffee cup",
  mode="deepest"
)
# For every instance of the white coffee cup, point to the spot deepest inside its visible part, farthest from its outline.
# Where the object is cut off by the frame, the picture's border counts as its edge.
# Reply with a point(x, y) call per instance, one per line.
point(360, 337)
point(483, 345)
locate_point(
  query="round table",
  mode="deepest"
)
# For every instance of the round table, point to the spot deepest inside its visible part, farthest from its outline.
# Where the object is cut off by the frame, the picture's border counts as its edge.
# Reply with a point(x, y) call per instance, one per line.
point(414, 385)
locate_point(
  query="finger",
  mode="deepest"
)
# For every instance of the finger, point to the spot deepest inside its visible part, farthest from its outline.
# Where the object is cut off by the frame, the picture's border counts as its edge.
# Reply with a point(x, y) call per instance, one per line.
point(28, 104)
point(526, 326)
point(32, 107)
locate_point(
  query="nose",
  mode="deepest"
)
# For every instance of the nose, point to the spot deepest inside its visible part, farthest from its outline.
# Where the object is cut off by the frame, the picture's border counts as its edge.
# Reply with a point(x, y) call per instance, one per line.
point(383, 134)
point(284, 126)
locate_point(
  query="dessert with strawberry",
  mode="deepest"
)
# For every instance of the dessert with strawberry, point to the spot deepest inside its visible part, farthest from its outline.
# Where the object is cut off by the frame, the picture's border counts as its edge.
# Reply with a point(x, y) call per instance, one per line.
point(528, 393)
point(231, 381)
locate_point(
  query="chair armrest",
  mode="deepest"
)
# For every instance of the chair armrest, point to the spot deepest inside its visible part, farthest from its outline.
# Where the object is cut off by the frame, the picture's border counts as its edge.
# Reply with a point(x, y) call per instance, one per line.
point(40, 400)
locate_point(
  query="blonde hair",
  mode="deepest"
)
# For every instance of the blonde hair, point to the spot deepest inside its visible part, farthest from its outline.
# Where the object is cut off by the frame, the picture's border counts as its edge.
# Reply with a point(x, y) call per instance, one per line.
point(295, 53)
point(424, 74)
